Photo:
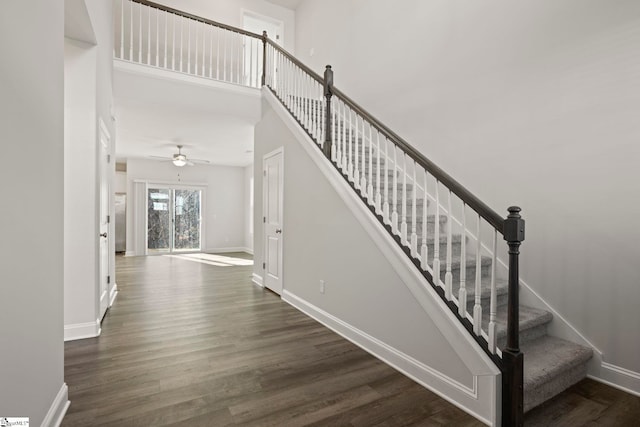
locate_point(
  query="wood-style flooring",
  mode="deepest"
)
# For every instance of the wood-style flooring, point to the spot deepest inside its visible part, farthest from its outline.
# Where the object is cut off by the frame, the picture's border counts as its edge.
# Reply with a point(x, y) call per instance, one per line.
point(198, 344)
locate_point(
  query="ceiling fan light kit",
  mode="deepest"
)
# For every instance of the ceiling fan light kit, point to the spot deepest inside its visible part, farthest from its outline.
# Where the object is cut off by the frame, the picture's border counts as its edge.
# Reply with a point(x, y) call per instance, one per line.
point(180, 159)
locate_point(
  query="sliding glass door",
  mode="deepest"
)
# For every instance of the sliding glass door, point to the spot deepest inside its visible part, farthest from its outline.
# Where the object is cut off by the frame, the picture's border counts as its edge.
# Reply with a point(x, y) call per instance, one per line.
point(173, 219)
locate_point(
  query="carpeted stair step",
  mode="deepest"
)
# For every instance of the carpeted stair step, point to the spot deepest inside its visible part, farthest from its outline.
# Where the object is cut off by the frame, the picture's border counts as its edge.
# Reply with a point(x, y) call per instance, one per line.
point(470, 262)
point(533, 323)
point(551, 365)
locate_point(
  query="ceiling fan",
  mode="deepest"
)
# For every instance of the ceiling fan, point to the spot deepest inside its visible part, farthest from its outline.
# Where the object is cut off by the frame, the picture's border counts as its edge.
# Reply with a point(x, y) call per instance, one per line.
point(179, 159)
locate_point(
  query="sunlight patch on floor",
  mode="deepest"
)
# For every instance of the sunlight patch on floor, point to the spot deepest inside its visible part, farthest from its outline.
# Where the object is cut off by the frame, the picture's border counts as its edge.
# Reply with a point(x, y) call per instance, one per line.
point(213, 259)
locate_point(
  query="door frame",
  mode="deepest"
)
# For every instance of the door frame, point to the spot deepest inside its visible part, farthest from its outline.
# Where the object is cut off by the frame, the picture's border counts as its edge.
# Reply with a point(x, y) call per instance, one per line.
point(104, 147)
point(173, 186)
point(278, 151)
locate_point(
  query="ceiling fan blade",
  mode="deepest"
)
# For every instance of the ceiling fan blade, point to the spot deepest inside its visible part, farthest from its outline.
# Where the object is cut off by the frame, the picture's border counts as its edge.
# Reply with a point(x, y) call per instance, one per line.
point(201, 161)
point(190, 163)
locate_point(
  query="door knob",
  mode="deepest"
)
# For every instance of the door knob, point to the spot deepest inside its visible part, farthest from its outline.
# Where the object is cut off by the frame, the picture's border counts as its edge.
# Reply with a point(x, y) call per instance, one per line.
point(103, 234)
point(278, 230)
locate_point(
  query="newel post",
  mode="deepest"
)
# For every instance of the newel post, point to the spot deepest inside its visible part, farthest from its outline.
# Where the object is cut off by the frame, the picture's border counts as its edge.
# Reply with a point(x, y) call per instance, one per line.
point(328, 92)
point(264, 57)
point(512, 357)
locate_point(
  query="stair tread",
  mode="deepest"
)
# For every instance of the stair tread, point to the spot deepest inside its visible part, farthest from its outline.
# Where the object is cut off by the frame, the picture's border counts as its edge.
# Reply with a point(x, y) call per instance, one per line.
point(548, 357)
point(529, 318)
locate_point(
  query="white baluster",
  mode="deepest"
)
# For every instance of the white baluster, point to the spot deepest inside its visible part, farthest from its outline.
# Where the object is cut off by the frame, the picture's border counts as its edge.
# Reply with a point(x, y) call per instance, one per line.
point(173, 42)
point(356, 172)
point(204, 49)
point(385, 206)
point(493, 309)
point(436, 238)
point(130, 31)
point(335, 148)
point(224, 54)
point(403, 225)
point(121, 29)
point(217, 53)
point(394, 213)
point(181, 42)
point(477, 308)
point(414, 226)
point(424, 250)
point(343, 131)
point(149, 36)
point(363, 172)
point(211, 28)
point(240, 59)
point(462, 293)
point(378, 198)
point(448, 276)
point(140, 35)
point(351, 171)
point(157, 37)
point(166, 37)
point(232, 46)
point(370, 186)
point(195, 67)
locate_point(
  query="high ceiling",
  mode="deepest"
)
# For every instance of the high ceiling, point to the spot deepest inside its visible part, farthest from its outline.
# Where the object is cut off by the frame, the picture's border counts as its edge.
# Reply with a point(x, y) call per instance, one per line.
point(212, 121)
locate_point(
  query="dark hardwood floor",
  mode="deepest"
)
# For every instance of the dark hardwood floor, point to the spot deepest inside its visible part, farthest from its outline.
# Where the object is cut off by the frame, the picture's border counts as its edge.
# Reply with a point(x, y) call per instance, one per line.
point(198, 344)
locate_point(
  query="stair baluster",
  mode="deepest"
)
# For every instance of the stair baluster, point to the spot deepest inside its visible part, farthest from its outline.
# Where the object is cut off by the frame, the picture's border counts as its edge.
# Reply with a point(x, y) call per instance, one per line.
point(448, 276)
point(436, 239)
point(414, 235)
point(424, 250)
point(477, 307)
point(462, 293)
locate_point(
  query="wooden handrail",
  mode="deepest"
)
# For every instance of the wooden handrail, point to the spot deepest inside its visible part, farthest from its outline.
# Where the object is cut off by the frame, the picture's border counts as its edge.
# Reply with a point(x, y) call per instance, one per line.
point(198, 18)
point(491, 216)
point(317, 77)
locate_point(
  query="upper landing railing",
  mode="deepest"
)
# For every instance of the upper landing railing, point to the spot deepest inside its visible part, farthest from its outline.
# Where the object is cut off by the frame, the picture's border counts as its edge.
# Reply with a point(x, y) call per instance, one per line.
point(450, 235)
point(159, 36)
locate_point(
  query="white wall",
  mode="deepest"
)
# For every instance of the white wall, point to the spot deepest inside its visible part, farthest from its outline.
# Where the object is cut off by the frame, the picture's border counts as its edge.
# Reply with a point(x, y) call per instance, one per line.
point(31, 214)
point(88, 99)
point(223, 216)
point(80, 182)
point(248, 209)
point(533, 103)
point(230, 12)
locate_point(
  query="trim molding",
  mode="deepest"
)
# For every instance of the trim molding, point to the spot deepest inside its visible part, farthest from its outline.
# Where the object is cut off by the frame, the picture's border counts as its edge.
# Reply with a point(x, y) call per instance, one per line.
point(257, 279)
point(58, 408)
point(113, 294)
point(618, 377)
point(412, 368)
point(227, 250)
point(79, 331)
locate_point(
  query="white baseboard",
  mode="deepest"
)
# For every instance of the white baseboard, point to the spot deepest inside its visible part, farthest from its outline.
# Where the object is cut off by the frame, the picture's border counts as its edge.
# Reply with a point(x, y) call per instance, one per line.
point(79, 331)
point(130, 253)
point(58, 408)
point(447, 388)
point(618, 377)
point(113, 294)
point(257, 279)
point(227, 250)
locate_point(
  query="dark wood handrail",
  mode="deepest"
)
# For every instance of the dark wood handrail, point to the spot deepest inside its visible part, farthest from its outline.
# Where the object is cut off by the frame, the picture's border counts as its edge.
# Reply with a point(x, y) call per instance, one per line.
point(458, 189)
point(491, 216)
point(295, 60)
point(198, 18)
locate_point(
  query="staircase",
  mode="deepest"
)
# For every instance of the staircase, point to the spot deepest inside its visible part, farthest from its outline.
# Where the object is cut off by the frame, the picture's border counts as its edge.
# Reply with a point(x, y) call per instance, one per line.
point(551, 364)
point(450, 235)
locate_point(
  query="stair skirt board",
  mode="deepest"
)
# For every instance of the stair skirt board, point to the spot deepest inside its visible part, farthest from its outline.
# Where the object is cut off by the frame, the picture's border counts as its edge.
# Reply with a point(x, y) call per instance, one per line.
point(450, 390)
point(458, 337)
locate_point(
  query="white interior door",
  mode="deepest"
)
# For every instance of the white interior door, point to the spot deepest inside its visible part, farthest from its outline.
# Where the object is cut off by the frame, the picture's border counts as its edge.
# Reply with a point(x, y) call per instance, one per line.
point(273, 188)
point(103, 250)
